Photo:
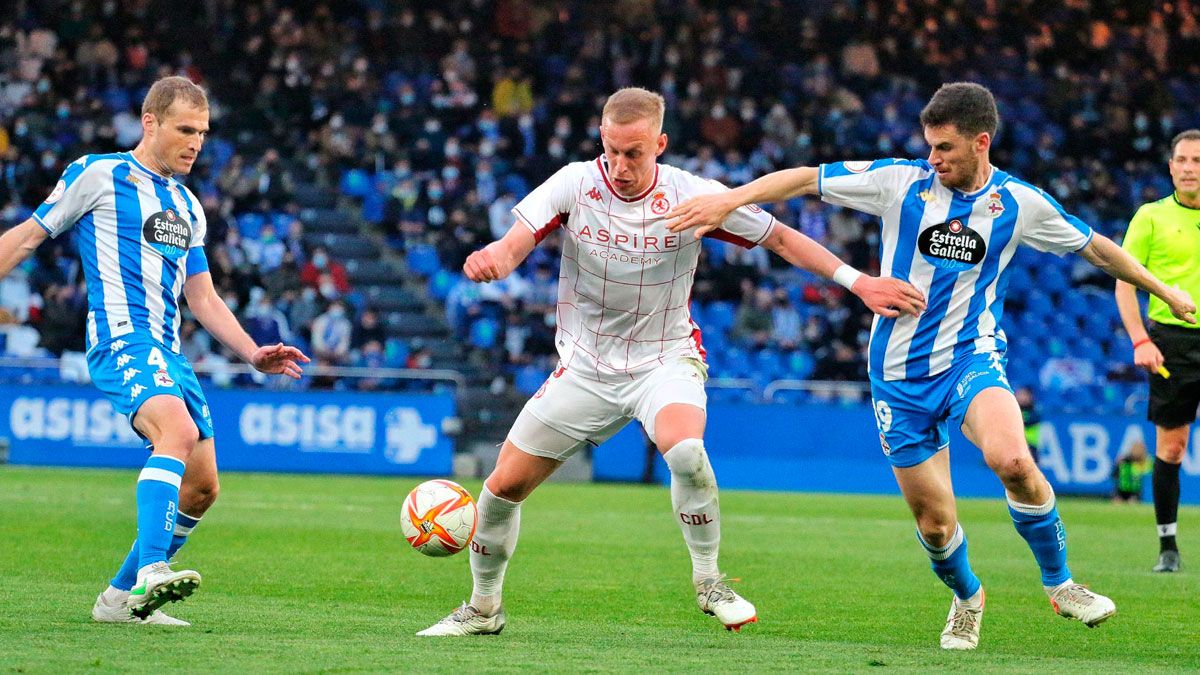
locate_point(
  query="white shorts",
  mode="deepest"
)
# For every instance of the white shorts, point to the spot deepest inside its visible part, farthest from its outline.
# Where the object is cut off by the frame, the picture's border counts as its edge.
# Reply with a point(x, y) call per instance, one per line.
point(570, 412)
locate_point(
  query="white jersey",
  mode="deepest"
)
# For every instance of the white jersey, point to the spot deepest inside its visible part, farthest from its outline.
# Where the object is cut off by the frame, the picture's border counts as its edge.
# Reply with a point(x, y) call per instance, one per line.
point(625, 280)
point(140, 235)
point(954, 247)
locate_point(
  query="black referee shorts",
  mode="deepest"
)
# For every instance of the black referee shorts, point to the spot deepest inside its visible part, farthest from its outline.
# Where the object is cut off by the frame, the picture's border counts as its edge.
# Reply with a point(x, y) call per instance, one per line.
point(1173, 400)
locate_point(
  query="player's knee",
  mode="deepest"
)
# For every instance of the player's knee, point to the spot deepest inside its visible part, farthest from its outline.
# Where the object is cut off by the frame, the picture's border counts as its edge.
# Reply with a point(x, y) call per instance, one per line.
point(1171, 450)
point(1015, 468)
point(688, 461)
point(936, 530)
point(196, 498)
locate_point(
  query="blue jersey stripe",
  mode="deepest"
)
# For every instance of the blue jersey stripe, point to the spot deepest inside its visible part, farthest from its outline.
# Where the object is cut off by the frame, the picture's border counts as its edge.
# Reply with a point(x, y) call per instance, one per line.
point(1003, 229)
point(170, 272)
point(920, 350)
point(911, 213)
point(86, 240)
point(129, 245)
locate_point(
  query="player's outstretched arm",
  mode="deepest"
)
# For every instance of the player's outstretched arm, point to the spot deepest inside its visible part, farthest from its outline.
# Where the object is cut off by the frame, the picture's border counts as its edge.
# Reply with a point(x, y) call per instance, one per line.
point(212, 313)
point(499, 258)
point(18, 243)
point(1146, 354)
point(707, 212)
point(1116, 261)
point(883, 295)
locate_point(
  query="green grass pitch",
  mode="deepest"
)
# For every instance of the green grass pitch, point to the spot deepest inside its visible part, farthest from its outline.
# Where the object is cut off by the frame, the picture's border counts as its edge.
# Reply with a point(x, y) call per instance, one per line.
point(311, 574)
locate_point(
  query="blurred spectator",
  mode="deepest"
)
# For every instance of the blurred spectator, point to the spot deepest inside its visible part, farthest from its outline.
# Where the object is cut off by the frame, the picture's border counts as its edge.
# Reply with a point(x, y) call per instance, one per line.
point(62, 320)
point(753, 323)
point(325, 275)
point(785, 322)
point(1129, 473)
point(331, 335)
point(368, 329)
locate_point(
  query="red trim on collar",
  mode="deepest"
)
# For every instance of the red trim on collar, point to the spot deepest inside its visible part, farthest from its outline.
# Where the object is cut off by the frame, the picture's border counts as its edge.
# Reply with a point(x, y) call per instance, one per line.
point(612, 189)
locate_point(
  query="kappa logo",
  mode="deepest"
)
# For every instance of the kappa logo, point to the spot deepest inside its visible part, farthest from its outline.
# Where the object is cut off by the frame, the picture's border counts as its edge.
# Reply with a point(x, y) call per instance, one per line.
point(118, 346)
point(129, 375)
point(594, 194)
point(136, 391)
point(122, 360)
point(659, 203)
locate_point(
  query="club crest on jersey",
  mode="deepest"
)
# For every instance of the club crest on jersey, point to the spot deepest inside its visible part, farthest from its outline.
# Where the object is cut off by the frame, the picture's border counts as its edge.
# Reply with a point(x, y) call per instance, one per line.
point(994, 206)
point(162, 379)
point(659, 203)
point(952, 246)
point(56, 194)
point(168, 233)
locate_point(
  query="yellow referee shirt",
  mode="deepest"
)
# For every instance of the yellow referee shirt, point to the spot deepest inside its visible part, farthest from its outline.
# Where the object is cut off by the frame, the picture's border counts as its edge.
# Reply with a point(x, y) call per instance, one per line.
point(1165, 237)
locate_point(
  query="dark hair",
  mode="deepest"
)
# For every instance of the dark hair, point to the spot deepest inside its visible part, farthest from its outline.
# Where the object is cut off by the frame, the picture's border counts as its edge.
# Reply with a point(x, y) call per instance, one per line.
point(1189, 135)
point(968, 106)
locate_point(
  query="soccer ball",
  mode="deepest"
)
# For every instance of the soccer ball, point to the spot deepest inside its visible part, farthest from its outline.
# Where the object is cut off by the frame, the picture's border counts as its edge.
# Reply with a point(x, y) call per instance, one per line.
point(438, 518)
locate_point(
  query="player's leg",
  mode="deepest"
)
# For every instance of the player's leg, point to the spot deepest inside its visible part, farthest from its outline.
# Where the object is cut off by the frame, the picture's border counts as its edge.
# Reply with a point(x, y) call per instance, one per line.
point(915, 439)
point(532, 451)
point(164, 421)
point(197, 493)
point(993, 423)
point(1170, 447)
point(928, 491)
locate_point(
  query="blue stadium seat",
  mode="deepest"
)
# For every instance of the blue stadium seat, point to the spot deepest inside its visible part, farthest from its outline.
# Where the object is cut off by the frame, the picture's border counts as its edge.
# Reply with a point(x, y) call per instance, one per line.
point(440, 283)
point(250, 225)
point(355, 183)
point(720, 315)
point(423, 260)
point(484, 333)
point(528, 379)
point(800, 365)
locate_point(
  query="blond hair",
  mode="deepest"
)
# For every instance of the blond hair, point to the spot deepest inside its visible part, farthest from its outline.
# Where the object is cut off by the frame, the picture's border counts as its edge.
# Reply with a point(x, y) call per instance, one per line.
point(165, 92)
point(633, 104)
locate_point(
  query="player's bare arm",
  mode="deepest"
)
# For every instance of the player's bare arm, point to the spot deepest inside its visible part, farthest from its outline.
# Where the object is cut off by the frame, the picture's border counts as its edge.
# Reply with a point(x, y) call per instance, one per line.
point(498, 259)
point(18, 243)
point(885, 296)
point(1146, 355)
point(1116, 261)
point(707, 212)
point(212, 313)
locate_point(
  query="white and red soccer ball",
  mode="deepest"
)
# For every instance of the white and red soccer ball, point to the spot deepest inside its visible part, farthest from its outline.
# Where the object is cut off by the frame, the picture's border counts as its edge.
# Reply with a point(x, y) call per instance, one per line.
point(438, 518)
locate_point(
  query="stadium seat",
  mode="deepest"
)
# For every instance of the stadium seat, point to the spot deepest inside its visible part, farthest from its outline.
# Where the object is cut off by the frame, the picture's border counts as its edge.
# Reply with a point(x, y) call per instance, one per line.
point(485, 332)
point(720, 315)
point(355, 183)
point(423, 260)
point(440, 283)
point(250, 225)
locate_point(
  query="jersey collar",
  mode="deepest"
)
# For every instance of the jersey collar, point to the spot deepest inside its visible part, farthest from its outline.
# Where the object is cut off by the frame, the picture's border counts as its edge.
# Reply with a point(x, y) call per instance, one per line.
point(154, 175)
point(612, 188)
point(992, 178)
point(1175, 196)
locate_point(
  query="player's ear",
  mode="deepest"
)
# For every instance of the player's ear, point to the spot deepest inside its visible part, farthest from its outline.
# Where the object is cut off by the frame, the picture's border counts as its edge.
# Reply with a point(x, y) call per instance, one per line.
point(148, 123)
point(662, 145)
point(982, 142)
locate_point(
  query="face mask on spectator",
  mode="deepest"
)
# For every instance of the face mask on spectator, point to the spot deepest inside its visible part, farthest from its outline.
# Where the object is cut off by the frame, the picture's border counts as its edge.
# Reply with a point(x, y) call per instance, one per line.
point(320, 260)
point(328, 290)
point(309, 294)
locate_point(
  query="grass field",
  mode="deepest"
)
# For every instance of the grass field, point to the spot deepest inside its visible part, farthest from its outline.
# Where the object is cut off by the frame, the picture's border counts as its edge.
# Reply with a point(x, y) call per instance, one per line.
point(310, 573)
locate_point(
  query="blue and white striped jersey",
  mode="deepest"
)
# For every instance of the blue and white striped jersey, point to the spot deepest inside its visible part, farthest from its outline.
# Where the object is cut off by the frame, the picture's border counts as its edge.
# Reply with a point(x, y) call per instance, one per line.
point(954, 247)
point(140, 235)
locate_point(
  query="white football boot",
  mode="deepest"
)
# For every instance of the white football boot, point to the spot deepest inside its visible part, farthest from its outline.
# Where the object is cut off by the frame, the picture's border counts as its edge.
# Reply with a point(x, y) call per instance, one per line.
point(716, 598)
point(963, 623)
point(1075, 601)
point(118, 612)
point(157, 585)
point(466, 620)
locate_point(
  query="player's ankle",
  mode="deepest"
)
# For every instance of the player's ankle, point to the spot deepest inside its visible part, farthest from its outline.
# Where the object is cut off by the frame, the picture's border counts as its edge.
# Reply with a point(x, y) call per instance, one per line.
point(487, 605)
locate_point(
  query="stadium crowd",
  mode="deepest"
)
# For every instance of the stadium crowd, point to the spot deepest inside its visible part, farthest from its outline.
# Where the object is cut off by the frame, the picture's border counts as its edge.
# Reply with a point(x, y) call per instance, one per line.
point(429, 134)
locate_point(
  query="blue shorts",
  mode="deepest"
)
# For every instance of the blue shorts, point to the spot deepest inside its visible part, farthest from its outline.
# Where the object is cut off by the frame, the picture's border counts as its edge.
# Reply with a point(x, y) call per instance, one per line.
point(912, 415)
point(131, 369)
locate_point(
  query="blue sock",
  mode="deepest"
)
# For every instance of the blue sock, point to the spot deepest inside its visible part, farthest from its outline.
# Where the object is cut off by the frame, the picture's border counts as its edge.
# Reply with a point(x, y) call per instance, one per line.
point(951, 565)
point(157, 502)
point(1043, 530)
point(126, 577)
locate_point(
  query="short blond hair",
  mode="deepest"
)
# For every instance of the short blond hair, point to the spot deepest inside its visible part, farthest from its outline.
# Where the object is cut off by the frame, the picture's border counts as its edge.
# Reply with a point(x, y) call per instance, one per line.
point(169, 89)
point(633, 104)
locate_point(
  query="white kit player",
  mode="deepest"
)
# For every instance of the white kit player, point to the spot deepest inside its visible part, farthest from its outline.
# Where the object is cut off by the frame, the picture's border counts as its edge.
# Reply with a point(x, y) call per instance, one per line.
point(627, 345)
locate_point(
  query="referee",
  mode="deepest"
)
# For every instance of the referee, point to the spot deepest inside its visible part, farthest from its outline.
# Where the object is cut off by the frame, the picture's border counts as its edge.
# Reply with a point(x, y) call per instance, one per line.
point(1165, 237)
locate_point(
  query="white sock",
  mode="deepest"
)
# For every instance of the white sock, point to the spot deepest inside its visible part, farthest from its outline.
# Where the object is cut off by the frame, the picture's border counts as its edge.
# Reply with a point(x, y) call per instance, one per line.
point(694, 498)
point(114, 595)
point(494, 543)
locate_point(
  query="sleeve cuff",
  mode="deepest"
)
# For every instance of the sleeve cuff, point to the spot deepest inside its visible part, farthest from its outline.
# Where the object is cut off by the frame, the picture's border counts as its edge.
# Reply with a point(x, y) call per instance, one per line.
point(38, 220)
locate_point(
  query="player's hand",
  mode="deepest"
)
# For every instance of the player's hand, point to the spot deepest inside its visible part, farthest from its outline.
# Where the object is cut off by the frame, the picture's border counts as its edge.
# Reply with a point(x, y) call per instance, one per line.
point(1181, 304)
point(279, 359)
point(1148, 357)
point(889, 297)
point(483, 266)
point(705, 213)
